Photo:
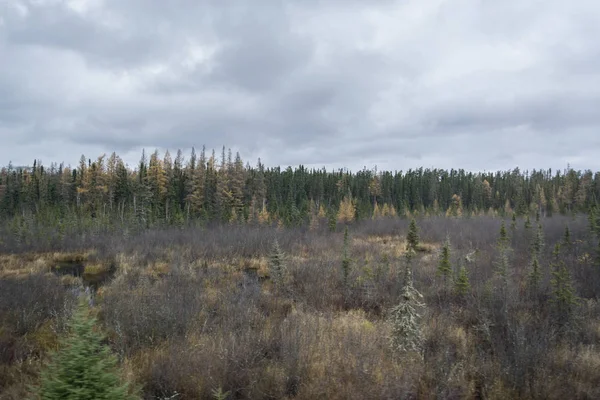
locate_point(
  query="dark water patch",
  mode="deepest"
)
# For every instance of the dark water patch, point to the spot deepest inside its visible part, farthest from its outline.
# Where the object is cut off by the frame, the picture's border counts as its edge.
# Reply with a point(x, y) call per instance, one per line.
point(73, 268)
point(98, 276)
point(92, 275)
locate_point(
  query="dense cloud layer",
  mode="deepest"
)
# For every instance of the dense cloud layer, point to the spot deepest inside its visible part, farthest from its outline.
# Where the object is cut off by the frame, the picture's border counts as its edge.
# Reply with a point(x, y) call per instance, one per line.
point(398, 84)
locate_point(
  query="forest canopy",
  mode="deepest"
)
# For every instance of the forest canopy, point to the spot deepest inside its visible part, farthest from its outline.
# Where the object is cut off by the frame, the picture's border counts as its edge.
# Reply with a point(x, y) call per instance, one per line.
point(166, 190)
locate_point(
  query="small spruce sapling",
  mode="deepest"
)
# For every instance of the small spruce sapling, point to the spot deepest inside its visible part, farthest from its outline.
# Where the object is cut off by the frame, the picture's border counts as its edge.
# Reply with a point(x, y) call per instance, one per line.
point(346, 256)
point(444, 266)
point(535, 276)
point(461, 284)
point(277, 267)
point(412, 238)
point(504, 249)
point(84, 367)
point(538, 242)
point(563, 293)
point(527, 224)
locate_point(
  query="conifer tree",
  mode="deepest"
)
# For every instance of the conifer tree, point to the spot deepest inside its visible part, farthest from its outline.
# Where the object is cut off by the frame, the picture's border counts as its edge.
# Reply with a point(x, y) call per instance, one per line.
point(444, 266)
point(412, 238)
point(83, 368)
point(563, 293)
point(503, 239)
point(405, 320)
point(535, 275)
point(527, 224)
point(332, 221)
point(592, 220)
point(538, 243)
point(461, 284)
point(567, 237)
point(513, 224)
point(504, 250)
point(347, 210)
point(346, 257)
point(277, 267)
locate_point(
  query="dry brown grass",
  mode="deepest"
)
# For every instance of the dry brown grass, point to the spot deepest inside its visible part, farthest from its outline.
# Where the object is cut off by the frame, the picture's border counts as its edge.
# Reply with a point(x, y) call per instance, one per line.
point(191, 318)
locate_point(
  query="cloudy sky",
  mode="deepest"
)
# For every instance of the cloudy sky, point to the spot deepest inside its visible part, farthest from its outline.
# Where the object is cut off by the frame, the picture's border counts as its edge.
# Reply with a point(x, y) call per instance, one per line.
point(476, 84)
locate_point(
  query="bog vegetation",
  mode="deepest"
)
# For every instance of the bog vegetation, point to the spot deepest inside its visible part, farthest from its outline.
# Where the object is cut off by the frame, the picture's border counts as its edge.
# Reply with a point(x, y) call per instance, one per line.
point(201, 279)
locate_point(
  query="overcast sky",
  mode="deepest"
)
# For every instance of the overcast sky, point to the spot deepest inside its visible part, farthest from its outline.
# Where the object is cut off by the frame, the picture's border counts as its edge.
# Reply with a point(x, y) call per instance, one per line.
point(475, 84)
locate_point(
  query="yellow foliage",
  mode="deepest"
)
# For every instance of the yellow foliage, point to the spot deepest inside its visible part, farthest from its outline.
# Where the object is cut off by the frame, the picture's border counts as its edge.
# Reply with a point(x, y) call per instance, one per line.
point(347, 210)
point(322, 213)
point(376, 211)
point(507, 207)
point(456, 208)
point(388, 211)
point(263, 216)
point(234, 217)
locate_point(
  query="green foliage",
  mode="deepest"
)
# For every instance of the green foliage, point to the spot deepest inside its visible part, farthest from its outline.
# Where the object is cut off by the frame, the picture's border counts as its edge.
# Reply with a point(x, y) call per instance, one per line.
point(218, 394)
point(412, 238)
point(503, 253)
point(597, 258)
point(563, 293)
point(567, 237)
point(405, 320)
point(332, 221)
point(346, 256)
point(527, 224)
point(461, 283)
point(513, 223)
point(593, 220)
point(107, 194)
point(277, 267)
point(84, 367)
point(556, 253)
point(503, 239)
point(444, 266)
point(538, 242)
point(535, 275)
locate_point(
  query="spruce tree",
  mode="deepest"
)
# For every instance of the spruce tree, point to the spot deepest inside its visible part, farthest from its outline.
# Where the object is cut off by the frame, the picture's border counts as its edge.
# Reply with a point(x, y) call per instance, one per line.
point(503, 261)
point(219, 394)
point(332, 221)
point(503, 239)
point(534, 276)
point(527, 224)
point(461, 284)
point(83, 368)
point(412, 238)
point(345, 256)
point(444, 266)
point(592, 220)
point(567, 238)
point(563, 293)
point(405, 320)
point(597, 260)
point(538, 242)
point(513, 224)
point(277, 267)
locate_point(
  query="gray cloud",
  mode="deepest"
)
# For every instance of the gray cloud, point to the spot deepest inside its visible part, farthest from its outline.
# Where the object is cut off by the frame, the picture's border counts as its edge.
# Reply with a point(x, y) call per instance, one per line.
point(397, 84)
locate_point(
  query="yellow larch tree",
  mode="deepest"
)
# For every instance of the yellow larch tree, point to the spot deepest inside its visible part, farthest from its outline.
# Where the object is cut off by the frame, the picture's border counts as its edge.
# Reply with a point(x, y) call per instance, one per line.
point(347, 210)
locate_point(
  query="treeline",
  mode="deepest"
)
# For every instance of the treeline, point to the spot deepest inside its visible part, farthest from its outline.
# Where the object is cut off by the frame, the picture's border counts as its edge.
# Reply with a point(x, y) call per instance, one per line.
point(162, 190)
